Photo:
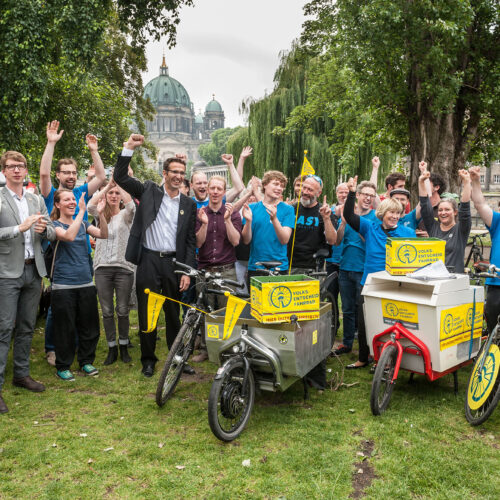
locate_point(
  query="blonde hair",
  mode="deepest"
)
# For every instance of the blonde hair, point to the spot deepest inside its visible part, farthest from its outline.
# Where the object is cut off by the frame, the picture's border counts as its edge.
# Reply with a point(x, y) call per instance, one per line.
point(217, 178)
point(389, 205)
point(12, 155)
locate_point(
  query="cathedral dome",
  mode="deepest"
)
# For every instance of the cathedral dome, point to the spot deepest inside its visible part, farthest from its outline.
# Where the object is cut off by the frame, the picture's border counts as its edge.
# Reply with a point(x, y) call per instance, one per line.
point(166, 91)
point(213, 106)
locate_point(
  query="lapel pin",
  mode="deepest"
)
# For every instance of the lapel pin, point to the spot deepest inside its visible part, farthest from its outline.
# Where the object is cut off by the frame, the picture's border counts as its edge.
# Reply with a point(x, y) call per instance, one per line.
point(182, 212)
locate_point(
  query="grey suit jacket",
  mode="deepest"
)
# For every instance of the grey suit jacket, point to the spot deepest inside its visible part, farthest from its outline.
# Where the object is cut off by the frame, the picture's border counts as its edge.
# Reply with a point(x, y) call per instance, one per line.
point(12, 246)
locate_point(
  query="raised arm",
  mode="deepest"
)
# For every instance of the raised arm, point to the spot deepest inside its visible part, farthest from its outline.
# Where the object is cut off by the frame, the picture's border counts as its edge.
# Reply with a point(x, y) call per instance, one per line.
point(464, 215)
point(53, 135)
point(121, 174)
point(425, 204)
point(236, 181)
point(483, 209)
point(233, 234)
point(100, 174)
point(246, 234)
point(350, 217)
point(374, 179)
point(101, 231)
point(245, 153)
point(422, 166)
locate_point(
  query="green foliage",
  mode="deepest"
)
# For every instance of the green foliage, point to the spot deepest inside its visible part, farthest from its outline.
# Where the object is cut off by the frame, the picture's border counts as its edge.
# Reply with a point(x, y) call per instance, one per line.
point(80, 63)
point(212, 151)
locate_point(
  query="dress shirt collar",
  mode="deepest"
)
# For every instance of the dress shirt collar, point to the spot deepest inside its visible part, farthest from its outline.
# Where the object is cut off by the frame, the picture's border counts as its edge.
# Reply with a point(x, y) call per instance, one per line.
point(219, 211)
point(15, 195)
point(178, 197)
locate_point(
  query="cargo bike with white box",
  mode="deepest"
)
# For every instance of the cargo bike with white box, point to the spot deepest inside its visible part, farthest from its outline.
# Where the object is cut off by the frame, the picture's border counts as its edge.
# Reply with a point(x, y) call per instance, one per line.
point(270, 343)
point(419, 317)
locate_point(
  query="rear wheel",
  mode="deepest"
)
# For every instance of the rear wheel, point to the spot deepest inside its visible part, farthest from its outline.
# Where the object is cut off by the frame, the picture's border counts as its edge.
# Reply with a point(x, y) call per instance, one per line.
point(177, 357)
point(382, 385)
point(228, 409)
point(483, 390)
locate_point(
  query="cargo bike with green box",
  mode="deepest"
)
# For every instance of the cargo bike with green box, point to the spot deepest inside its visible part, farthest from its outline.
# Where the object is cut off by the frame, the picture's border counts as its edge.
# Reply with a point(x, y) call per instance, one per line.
point(277, 338)
point(424, 324)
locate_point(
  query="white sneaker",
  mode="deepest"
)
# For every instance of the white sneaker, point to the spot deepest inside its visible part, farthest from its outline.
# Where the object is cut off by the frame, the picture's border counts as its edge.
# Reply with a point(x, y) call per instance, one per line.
point(51, 358)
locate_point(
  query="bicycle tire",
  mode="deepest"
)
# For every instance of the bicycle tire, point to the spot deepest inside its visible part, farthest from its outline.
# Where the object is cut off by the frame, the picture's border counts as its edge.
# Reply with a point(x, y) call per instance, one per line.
point(228, 414)
point(382, 385)
point(177, 357)
point(488, 381)
point(335, 316)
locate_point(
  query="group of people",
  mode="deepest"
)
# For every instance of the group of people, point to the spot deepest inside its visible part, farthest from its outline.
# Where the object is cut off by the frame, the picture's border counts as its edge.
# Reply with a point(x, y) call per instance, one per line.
point(140, 228)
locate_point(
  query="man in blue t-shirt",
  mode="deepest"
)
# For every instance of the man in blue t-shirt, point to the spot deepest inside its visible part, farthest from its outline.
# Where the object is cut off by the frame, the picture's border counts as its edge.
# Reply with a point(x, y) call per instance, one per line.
point(66, 174)
point(492, 222)
point(352, 263)
point(268, 225)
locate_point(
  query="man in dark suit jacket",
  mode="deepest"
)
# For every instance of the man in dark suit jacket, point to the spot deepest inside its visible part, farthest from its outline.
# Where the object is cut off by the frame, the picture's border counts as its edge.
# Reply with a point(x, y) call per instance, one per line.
point(163, 229)
point(23, 223)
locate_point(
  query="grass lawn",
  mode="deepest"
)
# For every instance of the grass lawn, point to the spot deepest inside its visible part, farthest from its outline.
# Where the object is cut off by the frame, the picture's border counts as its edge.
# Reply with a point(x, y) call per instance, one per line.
point(105, 437)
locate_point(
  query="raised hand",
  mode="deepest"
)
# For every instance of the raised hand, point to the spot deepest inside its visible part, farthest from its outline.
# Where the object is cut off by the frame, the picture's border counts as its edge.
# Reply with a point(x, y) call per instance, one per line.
point(352, 183)
point(134, 141)
point(464, 176)
point(101, 205)
point(202, 216)
point(247, 213)
point(422, 166)
point(182, 157)
point(375, 162)
point(475, 173)
point(325, 210)
point(52, 131)
point(246, 152)
point(82, 206)
point(227, 158)
point(91, 142)
point(424, 175)
point(228, 212)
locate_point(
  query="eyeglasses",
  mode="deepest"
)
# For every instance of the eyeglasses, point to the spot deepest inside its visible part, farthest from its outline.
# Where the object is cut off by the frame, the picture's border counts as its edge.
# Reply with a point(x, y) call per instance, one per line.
point(19, 166)
point(368, 195)
point(316, 178)
point(68, 172)
point(177, 172)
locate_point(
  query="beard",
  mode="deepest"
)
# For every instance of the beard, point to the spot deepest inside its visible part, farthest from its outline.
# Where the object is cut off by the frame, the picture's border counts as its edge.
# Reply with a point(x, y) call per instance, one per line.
point(307, 202)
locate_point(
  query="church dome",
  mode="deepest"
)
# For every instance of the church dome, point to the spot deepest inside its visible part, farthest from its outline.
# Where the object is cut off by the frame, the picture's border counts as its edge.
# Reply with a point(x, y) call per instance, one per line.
point(165, 90)
point(199, 118)
point(213, 106)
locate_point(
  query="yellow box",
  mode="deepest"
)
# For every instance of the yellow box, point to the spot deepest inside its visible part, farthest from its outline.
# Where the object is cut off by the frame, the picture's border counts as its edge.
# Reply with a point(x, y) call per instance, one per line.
point(406, 255)
point(275, 299)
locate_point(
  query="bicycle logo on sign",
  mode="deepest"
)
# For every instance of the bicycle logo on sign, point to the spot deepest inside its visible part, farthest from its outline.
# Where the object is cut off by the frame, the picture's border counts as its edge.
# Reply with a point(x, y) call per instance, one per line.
point(448, 323)
point(407, 254)
point(391, 309)
point(280, 297)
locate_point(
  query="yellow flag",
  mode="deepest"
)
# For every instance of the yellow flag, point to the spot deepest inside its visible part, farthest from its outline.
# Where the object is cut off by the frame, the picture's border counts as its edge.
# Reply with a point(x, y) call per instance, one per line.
point(307, 168)
point(234, 307)
point(155, 302)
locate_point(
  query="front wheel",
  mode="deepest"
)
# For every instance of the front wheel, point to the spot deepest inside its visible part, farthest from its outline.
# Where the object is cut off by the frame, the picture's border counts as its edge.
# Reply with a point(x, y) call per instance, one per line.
point(382, 385)
point(228, 409)
point(483, 390)
point(177, 357)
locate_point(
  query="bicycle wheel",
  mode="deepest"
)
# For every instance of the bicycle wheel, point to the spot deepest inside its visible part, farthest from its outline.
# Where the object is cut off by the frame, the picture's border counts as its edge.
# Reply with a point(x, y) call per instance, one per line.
point(483, 391)
point(177, 357)
point(382, 385)
point(335, 315)
point(228, 410)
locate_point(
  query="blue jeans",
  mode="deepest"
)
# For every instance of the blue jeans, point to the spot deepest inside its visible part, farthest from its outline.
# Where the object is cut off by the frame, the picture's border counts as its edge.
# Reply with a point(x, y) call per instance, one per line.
point(350, 289)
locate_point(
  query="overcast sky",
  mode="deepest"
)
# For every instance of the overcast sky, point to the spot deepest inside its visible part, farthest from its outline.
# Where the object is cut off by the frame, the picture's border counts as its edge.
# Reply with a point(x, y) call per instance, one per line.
point(229, 48)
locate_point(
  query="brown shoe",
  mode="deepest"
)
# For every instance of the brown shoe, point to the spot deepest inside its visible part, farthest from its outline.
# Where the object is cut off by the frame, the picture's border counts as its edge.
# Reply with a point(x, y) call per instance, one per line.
point(28, 383)
point(3, 406)
point(200, 357)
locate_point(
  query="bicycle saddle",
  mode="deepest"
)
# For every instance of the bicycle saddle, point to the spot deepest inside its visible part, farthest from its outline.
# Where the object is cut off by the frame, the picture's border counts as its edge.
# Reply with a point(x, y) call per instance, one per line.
point(269, 264)
point(322, 252)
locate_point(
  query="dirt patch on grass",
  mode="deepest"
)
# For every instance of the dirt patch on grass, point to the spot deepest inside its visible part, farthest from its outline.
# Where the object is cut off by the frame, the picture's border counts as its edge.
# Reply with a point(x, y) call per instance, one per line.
point(364, 474)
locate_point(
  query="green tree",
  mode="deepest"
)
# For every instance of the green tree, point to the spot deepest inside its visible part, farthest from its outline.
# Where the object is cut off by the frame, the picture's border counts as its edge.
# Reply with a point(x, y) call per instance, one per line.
point(420, 76)
point(212, 151)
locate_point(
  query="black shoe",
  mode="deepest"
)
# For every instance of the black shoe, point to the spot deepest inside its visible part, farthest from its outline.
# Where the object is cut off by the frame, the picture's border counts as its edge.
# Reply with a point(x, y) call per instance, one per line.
point(112, 355)
point(3, 406)
point(148, 370)
point(188, 369)
point(124, 355)
point(342, 349)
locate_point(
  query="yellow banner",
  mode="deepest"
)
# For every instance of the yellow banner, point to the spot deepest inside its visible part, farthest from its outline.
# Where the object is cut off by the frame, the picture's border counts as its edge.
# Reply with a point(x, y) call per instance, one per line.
point(307, 168)
point(234, 307)
point(155, 302)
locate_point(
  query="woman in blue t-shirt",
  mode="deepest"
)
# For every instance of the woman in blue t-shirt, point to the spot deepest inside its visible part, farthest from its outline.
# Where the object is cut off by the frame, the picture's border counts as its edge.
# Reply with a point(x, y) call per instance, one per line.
point(375, 234)
point(73, 297)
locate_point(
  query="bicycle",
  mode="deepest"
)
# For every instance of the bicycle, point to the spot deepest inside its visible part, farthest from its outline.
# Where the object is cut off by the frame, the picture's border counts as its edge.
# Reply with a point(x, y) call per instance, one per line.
point(476, 250)
point(192, 325)
point(483, 389)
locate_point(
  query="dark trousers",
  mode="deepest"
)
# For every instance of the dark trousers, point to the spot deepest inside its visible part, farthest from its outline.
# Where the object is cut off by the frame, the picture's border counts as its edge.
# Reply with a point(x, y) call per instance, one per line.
point(71, 307)
point(350, 290)
point(157, 274)
point(334, 285)
point(364, 350)
point(492, 306)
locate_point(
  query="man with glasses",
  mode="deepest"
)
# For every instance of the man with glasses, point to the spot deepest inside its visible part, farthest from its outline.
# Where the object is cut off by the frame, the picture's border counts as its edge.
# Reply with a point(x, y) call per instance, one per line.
point(66, 175)
point(163, 229)
point(352, 264)
point(24, 222)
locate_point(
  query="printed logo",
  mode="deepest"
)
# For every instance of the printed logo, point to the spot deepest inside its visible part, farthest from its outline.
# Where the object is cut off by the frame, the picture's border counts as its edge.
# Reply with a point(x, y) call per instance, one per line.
point(213, 331)
point(283, 339)
point(280, 297)
point(448, 323)
point(407, 254)
point(391, 309)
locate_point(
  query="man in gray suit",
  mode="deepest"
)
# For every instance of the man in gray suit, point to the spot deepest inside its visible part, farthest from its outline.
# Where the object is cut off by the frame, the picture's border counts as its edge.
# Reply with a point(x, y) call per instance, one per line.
point(24, 222)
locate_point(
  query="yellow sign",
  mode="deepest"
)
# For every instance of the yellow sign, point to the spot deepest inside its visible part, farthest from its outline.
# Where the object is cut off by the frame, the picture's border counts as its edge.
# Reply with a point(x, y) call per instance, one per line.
point(155, 302)
point(307, 168)
point(406, 255)
point(212, 331)
point(234, 307)
point(283, 318)
point(395, 311)
point(482, 383)
point(456, 324)
point(315, 337)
